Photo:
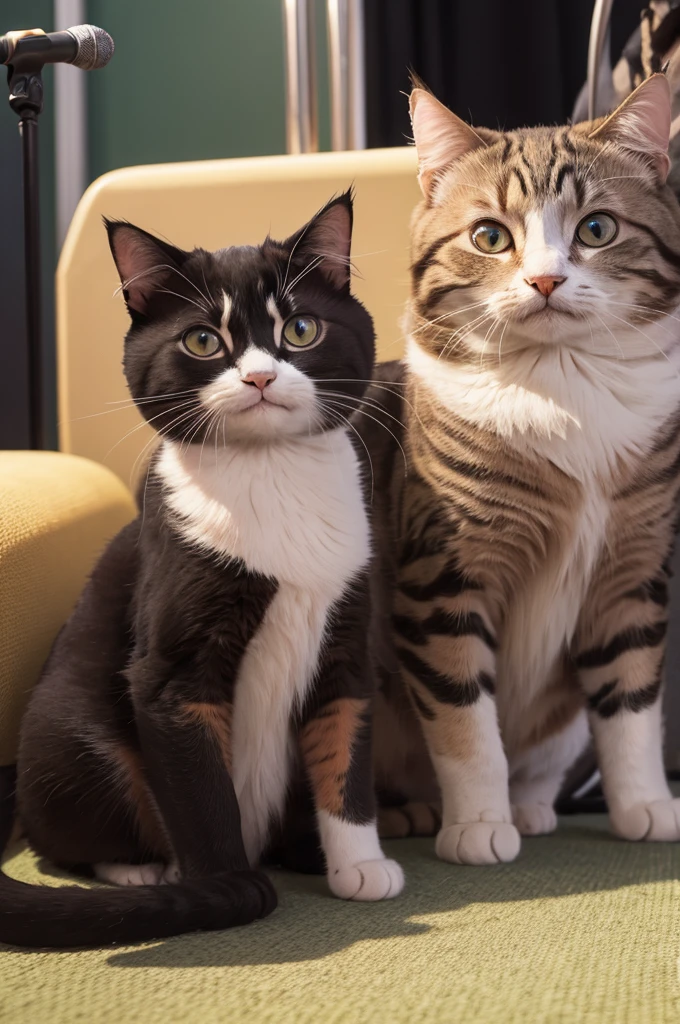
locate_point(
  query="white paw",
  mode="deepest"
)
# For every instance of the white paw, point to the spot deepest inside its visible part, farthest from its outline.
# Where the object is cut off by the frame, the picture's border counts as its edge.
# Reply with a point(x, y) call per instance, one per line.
point(658, 821)
point(367, 880)
point(478, 842)
point(534, 819)
point(137, 874)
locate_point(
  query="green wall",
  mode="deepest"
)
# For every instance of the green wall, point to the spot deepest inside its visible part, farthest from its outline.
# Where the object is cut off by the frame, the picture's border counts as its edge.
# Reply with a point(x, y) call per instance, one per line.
point(188, 81)
point(191, 81)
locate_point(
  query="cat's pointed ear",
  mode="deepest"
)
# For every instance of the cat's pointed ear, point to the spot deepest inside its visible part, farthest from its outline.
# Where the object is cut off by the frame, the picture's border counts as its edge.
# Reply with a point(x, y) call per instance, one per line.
point(441, 138)
point(642, 124)
point(145, 263)
point(325, 241)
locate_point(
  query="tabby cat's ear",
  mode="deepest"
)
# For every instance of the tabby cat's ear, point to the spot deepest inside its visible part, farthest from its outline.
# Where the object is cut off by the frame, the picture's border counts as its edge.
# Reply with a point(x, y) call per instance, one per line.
point(642, 124)
point(441, 138)
point(326, 241)
point(144, 262)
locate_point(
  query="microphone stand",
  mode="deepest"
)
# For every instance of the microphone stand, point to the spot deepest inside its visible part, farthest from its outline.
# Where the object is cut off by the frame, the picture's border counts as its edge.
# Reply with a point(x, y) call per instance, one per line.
point(24, 77)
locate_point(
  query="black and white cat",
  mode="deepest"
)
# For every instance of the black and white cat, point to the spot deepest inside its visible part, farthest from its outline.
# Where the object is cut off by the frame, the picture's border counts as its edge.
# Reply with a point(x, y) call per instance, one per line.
point(219, 649)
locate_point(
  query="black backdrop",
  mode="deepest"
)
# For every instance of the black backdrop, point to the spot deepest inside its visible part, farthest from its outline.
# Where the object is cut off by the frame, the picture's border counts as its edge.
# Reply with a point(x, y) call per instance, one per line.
point(499, 63)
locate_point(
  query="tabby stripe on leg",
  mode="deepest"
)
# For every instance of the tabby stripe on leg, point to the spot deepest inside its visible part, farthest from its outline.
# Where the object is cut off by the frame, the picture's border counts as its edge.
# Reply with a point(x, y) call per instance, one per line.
point(443, 623)
point(442, 687)
point(628, 640)
point(327, 743)
point(421, 706)
point(607, 703)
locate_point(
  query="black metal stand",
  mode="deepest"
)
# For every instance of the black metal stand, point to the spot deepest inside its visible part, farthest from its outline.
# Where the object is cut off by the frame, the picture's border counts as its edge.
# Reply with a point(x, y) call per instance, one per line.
point(26, 100)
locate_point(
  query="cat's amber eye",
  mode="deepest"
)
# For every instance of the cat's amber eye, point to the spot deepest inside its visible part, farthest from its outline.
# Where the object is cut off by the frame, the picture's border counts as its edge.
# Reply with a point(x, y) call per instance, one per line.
point(491, 237)
point(597, 229)
point(300, 331)
point(202, 343)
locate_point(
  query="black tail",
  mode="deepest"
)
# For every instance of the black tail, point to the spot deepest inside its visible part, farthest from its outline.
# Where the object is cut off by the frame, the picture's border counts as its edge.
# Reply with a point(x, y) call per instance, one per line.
point(68, 916)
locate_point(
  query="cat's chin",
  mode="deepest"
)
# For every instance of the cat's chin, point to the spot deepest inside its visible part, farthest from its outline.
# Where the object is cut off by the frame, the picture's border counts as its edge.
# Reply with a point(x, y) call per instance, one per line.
point(266, 421)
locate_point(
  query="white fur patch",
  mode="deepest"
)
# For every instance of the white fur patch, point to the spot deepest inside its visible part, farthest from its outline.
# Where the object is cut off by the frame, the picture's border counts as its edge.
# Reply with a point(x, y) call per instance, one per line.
point(224, 322)
point(357, 868)
point(293, 511)
point(542, 619)
point(273, 311)
point(582, 410)
point(630, 754)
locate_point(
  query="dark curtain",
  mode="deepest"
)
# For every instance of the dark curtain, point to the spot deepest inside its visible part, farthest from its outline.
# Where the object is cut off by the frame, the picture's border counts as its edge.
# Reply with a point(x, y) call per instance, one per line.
point(499, 63)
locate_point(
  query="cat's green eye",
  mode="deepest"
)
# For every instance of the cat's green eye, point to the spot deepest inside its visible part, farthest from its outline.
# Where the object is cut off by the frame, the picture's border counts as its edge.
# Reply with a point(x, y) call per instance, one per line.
point(300, 331)
point(597, 229)
point(201, 343)
point(491, 237)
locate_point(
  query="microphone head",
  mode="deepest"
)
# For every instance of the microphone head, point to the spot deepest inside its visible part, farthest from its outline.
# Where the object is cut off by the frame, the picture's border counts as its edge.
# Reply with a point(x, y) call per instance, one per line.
point(95, 47)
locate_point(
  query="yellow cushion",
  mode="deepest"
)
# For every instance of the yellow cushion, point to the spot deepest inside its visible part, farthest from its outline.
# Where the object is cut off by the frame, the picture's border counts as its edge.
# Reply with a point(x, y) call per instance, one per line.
point(57, 512)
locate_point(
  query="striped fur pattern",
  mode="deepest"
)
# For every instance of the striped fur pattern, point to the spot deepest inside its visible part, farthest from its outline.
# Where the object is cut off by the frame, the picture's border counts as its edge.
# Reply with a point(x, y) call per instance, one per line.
point(525, 551)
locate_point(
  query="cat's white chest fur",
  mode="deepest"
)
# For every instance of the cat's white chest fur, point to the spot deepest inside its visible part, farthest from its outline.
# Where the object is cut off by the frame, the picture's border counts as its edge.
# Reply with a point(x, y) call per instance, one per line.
point(586, 414)
point(293, 511)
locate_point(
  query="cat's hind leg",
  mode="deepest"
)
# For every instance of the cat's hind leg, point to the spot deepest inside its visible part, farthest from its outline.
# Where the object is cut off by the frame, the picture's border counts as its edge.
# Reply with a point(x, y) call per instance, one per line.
point(537, 775)
point(413, 818)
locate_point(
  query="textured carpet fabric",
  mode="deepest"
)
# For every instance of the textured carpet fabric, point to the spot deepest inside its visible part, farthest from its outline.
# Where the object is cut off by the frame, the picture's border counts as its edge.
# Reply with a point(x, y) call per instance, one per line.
point(582, 928)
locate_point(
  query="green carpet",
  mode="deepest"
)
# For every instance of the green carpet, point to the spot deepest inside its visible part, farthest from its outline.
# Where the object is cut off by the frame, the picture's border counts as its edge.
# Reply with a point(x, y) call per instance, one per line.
point(581, 928)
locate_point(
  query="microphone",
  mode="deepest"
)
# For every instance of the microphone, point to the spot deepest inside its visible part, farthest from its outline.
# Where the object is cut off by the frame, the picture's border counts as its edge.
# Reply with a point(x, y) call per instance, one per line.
point(84, 46)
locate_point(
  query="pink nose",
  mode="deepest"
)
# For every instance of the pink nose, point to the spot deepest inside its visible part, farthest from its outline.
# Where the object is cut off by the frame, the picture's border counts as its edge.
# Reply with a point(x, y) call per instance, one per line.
point(259, 380)
point(545, 285)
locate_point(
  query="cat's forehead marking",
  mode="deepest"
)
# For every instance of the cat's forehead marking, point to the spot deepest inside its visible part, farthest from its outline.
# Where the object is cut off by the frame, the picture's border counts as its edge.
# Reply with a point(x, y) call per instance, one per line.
point(273, 311)
point(227, 304)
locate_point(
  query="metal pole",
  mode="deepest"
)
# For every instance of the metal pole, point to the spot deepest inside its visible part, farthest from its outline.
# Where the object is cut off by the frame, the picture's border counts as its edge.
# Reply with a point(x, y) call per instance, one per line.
point(345, 20)
point(302, 129)
point(599, 28)
point(357, 76)
point(70, 124)
point(26, 100)
point(337, 18)
point(28, 129)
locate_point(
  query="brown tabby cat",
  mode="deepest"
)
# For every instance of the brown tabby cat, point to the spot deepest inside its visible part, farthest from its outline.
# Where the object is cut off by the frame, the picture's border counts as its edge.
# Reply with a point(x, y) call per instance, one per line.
point(526, 551)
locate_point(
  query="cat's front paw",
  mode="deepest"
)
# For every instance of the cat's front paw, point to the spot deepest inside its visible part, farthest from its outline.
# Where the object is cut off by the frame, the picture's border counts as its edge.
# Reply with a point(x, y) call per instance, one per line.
point(367, 880)
point(658, 821)
point(534, 819)
point(478, 842)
